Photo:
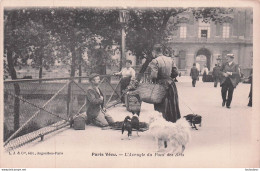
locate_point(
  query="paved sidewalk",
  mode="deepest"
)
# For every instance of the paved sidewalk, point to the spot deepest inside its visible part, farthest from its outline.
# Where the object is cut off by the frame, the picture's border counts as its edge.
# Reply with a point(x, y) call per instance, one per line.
point(226, 139)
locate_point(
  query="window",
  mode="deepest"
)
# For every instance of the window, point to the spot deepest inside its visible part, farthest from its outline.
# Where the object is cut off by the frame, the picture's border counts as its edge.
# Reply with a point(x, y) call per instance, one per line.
point(226, 30)
point(204, 32)
point(204, 29)
point(183, 31)
point(218, 29)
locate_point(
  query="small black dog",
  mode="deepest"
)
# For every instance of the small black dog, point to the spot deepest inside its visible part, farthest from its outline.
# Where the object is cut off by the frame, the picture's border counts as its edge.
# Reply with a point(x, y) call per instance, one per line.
point(129, 124)
point(193, 119)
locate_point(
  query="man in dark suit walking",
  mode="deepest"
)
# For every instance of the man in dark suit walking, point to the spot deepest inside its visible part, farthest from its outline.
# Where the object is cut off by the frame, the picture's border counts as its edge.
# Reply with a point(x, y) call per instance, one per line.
point(215, 74)
point(194, 73)
point(229, 72)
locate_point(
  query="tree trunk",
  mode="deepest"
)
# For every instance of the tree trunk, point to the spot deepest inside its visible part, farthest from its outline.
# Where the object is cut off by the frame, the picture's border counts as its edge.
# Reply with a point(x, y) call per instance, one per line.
point(16, 89)
point(40, 74)
point(40, 70)
point(80, 68)
point(145, 65)
point(16, 107)
point(73, 52)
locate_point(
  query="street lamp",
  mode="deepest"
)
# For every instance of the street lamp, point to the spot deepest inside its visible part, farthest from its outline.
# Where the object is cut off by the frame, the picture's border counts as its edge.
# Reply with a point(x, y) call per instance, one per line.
point(123, 18)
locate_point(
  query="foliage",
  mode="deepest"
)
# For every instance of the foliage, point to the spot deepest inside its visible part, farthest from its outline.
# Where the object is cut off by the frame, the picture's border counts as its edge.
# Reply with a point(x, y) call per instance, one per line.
point(46, 35)
point(216, 15)
point(147, 28)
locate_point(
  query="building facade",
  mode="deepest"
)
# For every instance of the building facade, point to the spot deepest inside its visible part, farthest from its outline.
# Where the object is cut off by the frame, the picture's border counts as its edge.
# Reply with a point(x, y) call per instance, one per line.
point(202, 43)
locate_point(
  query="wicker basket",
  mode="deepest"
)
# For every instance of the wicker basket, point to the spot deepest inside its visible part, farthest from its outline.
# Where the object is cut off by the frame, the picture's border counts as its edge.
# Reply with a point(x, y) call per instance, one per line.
point(151, 93)
point(132, 103)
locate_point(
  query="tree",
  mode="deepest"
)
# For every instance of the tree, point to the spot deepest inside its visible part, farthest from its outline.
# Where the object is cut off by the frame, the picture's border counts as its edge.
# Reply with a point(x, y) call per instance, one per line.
point(147, 28)
point(12, 48)
point(105, 28)
point(216, 15)
point(36, 42)
point(40, 41)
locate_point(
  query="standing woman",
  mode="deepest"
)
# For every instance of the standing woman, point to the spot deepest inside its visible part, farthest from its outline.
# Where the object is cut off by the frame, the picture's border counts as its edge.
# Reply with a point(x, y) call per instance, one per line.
point(163, 71)
point(205, 73)
point(128, 75)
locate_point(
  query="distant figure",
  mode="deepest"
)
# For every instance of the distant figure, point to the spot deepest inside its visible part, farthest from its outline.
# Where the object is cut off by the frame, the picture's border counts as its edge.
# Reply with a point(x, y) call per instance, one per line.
point(251, 89)
point(229, 73)
point(215, 74)
point(205, 73)
point(194, 73)
point(198, 66)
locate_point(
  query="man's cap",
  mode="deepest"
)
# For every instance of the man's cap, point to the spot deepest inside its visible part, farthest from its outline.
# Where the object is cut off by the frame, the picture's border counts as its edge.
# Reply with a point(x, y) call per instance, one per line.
point(231, 55)
point(93, 75)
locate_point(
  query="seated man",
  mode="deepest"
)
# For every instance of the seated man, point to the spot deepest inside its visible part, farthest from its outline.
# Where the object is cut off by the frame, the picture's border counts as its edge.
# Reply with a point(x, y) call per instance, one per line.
point(95, 102)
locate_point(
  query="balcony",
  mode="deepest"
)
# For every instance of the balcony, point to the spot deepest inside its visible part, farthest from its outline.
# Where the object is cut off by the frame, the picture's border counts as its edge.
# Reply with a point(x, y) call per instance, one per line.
point(173, 39)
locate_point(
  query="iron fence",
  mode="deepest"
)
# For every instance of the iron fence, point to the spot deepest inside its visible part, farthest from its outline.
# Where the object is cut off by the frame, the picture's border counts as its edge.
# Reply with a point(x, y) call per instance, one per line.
point(36, 107)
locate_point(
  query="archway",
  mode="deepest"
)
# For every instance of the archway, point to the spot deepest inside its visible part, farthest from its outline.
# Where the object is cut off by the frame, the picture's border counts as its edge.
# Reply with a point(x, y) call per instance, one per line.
point(203, 57)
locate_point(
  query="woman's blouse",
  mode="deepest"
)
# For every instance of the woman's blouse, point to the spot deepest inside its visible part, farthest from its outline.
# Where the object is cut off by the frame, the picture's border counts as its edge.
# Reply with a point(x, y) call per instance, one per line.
point(127, 72)
point(161, 67)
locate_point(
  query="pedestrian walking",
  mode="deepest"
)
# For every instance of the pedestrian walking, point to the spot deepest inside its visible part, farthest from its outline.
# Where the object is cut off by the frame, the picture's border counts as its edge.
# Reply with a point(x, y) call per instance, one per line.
point(215, 74)
point(163, 71)
point(205, 72)
point(229, 73)
point(194, 73)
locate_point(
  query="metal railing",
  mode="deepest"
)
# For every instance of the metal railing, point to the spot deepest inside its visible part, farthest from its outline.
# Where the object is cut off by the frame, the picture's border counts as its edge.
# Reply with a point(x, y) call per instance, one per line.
point(36, 107)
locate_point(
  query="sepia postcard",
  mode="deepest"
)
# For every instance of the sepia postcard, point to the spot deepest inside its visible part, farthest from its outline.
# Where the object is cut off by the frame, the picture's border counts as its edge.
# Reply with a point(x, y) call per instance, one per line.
point(130, 84)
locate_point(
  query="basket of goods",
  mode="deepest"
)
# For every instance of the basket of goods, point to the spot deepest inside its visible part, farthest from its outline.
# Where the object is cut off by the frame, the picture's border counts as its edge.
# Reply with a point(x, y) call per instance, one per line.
point(151, 93)
point(132, 102)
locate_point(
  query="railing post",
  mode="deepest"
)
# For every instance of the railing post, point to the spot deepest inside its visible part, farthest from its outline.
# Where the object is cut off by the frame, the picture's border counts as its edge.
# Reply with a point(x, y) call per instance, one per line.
point(69, 103)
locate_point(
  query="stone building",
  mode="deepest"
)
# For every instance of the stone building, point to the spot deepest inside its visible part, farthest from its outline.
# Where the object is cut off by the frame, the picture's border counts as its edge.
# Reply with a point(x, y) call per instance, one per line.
point(202, 43)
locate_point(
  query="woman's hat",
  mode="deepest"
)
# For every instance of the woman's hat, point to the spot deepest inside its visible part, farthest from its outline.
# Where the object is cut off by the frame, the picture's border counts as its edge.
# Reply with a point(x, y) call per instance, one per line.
point(93, 75)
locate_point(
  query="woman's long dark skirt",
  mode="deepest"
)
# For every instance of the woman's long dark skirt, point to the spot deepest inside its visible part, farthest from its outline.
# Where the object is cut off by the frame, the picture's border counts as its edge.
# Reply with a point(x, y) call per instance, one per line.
point(169, 107)
point(124, 83)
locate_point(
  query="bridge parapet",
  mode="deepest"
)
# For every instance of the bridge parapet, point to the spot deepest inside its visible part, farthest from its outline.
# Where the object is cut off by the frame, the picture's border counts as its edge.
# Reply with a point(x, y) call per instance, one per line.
point(32, 105)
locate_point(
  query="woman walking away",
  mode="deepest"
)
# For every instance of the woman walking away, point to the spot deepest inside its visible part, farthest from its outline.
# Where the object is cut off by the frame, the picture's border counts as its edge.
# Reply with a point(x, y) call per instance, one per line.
point(163, 71)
